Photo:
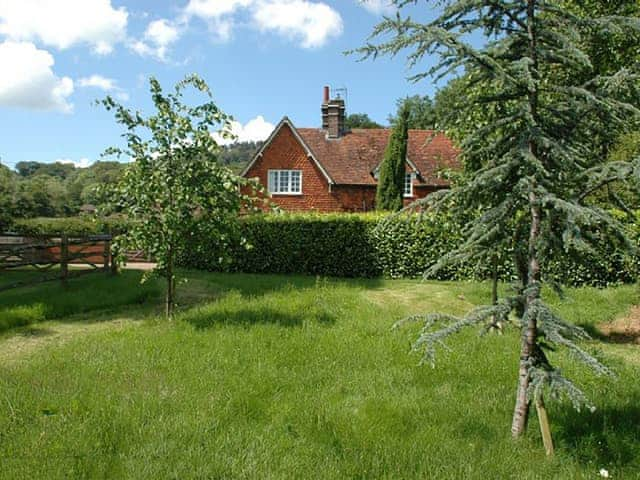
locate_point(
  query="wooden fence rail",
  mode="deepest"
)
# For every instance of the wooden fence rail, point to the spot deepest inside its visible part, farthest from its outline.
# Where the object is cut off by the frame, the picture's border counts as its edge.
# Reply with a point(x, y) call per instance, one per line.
point(92, 253)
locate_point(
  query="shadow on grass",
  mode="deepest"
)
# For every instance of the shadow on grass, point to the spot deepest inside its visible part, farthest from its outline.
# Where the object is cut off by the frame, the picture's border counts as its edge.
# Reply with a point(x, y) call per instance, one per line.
point(252, 285)
point(613, 337)
point(206, 318)
point(607, 436)
point(80, 300)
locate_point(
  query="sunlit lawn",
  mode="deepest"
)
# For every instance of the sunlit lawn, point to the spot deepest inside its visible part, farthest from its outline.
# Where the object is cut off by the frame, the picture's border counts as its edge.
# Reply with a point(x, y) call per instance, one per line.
point(290, 377)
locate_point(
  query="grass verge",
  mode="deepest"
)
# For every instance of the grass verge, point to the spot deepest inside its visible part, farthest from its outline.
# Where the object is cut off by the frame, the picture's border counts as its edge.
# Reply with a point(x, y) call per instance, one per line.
point(290, 377)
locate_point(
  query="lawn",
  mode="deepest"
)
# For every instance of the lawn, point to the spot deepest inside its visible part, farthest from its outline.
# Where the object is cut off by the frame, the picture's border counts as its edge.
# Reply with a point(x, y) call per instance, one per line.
point(291, 377)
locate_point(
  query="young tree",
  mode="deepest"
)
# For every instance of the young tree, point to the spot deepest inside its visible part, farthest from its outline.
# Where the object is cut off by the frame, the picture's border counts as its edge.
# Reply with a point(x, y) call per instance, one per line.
point(390, 188)
point(536, 168)
point(175, 190)
point(7, 196)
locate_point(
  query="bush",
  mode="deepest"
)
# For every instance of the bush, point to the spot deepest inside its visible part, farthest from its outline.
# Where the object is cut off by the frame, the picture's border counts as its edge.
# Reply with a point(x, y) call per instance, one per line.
point(349, 245)
point(313, 244)
point(79, 226)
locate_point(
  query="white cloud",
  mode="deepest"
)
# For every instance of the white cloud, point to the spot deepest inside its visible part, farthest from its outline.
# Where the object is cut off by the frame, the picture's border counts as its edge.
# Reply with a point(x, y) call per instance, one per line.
point(210, 9)
point(158, 37)
point(64, 23)
point(28, 81)
point(312, 23)
point(82, 163)
point(254, 130)
point(98, 81)
point(103, 83)
point(378, 7)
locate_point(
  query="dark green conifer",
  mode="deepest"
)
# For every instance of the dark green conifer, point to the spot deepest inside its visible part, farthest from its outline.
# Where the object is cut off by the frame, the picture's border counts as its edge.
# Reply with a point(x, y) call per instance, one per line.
point(392, 172)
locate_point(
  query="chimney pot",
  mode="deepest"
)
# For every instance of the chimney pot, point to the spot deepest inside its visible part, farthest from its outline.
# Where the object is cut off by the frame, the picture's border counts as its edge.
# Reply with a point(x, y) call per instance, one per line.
point(326, 94)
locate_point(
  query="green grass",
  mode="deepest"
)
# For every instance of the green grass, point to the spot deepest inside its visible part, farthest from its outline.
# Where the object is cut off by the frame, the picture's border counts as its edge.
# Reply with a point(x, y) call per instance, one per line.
point(287, 377)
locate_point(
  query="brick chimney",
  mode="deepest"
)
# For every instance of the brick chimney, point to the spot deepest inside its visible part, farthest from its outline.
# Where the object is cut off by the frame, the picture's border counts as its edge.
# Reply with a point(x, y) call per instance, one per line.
point(333, 113)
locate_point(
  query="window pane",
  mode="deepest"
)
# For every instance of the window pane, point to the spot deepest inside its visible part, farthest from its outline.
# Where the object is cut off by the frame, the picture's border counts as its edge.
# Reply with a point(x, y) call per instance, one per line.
point(273, 181)
point(295, 181)
point(407, 184)
point(284, 181)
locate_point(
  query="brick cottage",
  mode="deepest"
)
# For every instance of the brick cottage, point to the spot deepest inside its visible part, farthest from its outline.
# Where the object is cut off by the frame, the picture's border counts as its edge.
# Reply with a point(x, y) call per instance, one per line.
point(332, 169)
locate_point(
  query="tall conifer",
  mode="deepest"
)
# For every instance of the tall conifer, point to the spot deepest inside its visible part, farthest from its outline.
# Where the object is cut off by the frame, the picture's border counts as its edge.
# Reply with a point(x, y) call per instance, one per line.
point(535, 170)
point(392, 172)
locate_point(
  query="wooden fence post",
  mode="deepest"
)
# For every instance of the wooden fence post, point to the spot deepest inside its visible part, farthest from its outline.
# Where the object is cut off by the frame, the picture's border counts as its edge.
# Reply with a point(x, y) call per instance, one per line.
point(64, 257)
point(106, 254)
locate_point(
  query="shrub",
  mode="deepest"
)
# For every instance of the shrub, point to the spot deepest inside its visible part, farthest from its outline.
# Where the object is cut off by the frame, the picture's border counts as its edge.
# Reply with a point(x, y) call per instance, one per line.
point(314, 244)
point(350, 245)
point(70, 225)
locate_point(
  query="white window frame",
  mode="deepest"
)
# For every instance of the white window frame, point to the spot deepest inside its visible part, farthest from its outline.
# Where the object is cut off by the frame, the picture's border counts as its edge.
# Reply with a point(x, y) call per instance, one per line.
point(411, 176)
point(276, 182)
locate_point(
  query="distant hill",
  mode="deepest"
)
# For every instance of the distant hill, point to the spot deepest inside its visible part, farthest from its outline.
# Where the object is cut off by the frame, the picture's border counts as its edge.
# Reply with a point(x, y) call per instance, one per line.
point(236, 156)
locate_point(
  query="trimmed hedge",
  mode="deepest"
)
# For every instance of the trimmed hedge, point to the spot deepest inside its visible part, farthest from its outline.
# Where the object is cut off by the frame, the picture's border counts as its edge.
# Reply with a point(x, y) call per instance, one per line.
point(348, 245)
point(315, 244)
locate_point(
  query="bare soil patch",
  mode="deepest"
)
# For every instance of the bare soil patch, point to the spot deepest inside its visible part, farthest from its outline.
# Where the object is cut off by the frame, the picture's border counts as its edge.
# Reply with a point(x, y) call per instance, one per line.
point(625, 329)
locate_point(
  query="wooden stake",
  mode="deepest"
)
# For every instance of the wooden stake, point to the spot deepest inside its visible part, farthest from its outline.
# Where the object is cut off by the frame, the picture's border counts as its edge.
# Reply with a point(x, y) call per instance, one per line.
point(106, 255)
point(64, 258)
point(544, 426)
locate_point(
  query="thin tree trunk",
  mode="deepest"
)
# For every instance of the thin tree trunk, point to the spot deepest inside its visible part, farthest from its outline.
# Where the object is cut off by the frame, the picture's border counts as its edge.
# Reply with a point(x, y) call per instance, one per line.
point(529, 337)
point(170, 285)
point(494, 279)
point(530, 333)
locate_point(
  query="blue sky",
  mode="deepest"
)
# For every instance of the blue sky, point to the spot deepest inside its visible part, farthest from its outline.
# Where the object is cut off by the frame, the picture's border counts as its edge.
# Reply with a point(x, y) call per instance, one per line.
point(263, 59)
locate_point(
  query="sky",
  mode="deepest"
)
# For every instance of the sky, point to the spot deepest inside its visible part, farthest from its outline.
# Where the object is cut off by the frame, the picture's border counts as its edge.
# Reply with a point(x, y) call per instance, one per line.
point(262, 59)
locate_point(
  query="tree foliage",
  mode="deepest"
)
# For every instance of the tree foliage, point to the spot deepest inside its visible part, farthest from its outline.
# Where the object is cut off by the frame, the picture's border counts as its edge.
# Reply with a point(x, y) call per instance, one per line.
point(176, 188)
point(422, 112)
point(360, 120)
point(392, 170)
point(532, 159)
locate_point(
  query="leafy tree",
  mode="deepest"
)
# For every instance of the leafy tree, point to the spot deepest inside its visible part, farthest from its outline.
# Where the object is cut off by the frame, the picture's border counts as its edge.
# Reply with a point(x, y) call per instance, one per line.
point(55, 169)
point(535, 168)
point(422, 114)
point(390, 188)
point(176, 189)
point(360, 120)
point(7, 196)
point(82, 186)
point(26, 169)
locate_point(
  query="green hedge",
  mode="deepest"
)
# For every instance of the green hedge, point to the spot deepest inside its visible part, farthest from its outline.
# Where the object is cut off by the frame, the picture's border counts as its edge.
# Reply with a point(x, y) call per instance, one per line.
point(331, 245)
point(83, 225)
point(349, 245)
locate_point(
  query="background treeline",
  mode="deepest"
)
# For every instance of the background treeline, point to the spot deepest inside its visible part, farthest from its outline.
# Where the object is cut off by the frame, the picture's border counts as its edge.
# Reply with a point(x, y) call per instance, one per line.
point(36, 189)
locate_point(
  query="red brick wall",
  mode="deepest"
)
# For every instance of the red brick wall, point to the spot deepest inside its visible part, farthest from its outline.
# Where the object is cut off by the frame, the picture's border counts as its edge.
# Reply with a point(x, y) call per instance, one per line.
point(420, 191)
point(285, 152)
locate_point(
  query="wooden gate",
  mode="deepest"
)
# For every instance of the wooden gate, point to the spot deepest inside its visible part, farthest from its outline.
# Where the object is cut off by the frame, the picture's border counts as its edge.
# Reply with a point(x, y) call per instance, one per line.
point(89, 254)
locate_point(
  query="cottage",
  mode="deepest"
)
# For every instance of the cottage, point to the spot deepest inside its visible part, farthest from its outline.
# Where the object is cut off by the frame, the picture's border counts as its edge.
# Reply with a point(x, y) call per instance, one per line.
point(332, 169)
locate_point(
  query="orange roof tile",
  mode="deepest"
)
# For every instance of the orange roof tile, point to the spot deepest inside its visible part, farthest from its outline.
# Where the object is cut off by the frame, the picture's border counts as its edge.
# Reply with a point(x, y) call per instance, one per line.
point(353, 157)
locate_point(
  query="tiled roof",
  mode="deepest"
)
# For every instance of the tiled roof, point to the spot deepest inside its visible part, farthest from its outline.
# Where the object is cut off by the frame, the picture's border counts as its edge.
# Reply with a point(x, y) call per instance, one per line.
point(351, 158)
